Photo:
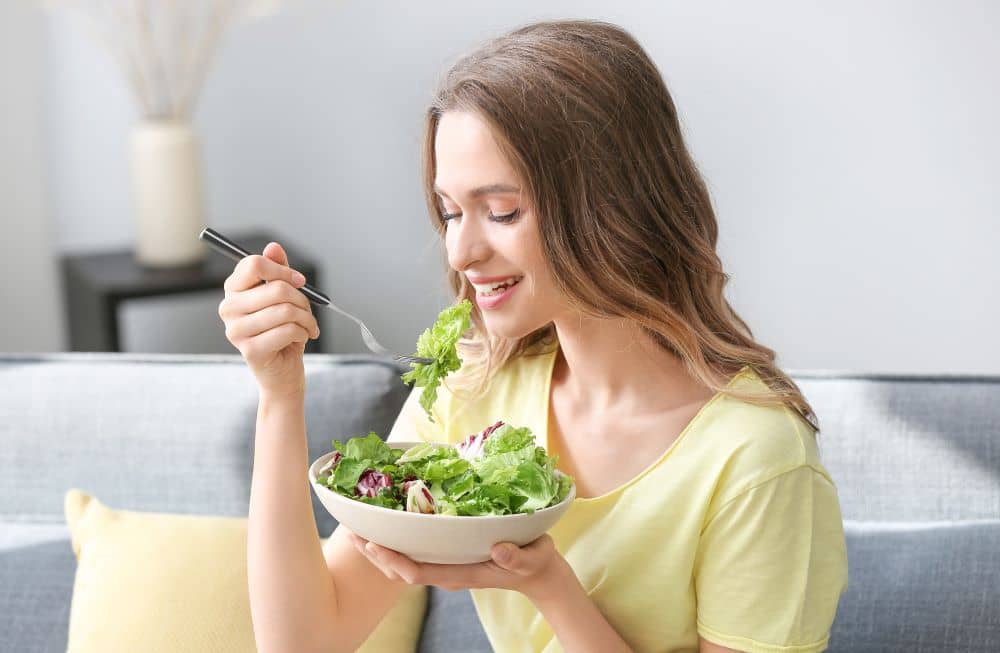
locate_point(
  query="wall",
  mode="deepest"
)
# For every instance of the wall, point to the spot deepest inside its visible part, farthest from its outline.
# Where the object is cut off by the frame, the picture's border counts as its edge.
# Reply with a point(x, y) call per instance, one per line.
point(851, 150)
point(30, 308)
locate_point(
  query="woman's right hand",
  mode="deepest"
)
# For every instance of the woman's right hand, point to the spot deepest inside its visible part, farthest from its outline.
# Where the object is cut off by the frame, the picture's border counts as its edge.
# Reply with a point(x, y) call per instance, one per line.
point(271, 322)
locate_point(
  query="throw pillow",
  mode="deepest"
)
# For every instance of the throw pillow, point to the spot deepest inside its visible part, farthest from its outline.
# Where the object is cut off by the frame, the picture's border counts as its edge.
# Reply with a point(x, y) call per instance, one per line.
point(156, 582)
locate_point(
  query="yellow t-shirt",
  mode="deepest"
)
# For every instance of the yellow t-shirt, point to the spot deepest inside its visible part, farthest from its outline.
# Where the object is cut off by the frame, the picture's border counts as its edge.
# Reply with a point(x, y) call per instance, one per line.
point(733, 533)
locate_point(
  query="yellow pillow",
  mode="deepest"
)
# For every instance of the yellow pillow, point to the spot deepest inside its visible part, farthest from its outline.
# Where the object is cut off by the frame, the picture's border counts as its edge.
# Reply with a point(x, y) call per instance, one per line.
point(156, 582)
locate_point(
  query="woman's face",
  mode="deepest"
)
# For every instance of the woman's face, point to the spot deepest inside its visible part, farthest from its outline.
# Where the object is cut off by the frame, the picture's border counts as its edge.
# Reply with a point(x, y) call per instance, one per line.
point(491, 231)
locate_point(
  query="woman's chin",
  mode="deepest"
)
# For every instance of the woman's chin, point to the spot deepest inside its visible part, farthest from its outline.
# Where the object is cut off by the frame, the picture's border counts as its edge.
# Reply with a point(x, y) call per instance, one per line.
point(508, 327)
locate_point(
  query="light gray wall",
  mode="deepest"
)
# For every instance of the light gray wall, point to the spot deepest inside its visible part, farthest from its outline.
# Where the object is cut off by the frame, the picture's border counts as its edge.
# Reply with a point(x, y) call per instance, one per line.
point(851, 149)
point(30, 309)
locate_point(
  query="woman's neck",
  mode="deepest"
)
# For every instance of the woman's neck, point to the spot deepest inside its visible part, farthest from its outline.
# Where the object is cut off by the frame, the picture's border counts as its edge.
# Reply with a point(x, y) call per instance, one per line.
point(613, 367)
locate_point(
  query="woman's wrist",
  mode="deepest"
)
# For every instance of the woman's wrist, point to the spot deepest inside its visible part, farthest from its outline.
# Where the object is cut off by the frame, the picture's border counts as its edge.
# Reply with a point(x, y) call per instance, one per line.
point(280, 408)
point(575, 619)
point(557, 584)
point(294, 396)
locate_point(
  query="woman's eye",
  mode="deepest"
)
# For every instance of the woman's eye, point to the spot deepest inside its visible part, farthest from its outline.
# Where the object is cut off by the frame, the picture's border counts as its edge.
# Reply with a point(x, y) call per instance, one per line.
point(507, 217)
point(504, 218)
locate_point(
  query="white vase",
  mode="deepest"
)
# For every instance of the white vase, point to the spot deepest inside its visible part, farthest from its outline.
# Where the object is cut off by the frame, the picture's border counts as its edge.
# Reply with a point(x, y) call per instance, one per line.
point(166, 194)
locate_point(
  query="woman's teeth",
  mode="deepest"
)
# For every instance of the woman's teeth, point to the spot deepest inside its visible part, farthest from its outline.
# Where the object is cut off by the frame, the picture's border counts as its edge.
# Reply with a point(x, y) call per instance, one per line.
point(489, 289)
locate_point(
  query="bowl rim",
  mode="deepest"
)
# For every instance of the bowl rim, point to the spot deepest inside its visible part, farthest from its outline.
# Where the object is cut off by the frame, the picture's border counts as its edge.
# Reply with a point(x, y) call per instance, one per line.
point(567, 500)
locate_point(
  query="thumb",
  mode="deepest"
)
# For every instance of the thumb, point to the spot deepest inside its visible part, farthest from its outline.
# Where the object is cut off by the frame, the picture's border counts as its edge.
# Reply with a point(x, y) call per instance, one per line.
point(511, 557)
point(276, 253)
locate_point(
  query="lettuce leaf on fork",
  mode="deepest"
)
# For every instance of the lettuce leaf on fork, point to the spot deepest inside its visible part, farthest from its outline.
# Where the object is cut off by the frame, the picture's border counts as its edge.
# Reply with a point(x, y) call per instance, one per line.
point(439, 342)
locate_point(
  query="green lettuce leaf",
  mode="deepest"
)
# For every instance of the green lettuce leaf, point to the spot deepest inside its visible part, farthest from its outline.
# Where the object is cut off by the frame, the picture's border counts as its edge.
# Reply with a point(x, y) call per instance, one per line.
point(345, 477)
point(418, 452)
point(495, 467)
point(384, 498)
point(565, 483)
point(456, 486)
point(439, 470)
point(439, 342)
point(370, 447)
point(536, 484)
point(507, 438)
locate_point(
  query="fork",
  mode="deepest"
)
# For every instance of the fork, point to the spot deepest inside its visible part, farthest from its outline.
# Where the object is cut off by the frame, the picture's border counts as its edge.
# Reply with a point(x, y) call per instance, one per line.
point(227, 247)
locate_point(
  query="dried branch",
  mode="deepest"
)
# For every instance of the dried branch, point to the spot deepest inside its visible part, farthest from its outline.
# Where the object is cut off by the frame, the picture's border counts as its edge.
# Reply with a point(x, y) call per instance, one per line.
point(164, 48)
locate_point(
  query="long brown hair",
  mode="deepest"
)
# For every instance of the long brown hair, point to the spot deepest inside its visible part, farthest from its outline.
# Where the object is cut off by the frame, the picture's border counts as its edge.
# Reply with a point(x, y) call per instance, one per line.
point(626, 223)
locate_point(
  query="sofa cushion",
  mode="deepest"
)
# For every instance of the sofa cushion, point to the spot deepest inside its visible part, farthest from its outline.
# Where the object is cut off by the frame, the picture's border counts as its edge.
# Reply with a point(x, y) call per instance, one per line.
point(920, 587)
point(451, 624)
point(36, 574)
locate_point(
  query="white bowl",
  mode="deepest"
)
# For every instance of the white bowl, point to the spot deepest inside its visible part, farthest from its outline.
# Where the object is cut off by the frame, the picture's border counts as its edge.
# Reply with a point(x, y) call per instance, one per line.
point(444, 539)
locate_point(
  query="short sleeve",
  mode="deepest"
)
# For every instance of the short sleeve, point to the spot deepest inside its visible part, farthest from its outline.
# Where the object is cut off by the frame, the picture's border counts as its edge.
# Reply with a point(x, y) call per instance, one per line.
point(772, 565)
point(412, 423)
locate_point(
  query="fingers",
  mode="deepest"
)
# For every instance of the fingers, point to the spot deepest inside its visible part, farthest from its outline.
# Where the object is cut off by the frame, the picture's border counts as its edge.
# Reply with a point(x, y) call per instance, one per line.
point(272, 317)
point(542, 542)
point(450, 577)
point(525, 560)
point(261, 348)
point(251, 309)
point(248, 302)
point(262, 296)
point(359, 544)
point(276, 252)
point(395, 566)
point(253, 269)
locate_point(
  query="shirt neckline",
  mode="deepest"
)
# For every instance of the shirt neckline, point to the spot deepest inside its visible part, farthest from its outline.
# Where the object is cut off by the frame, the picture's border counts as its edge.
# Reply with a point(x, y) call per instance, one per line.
point(546, 398)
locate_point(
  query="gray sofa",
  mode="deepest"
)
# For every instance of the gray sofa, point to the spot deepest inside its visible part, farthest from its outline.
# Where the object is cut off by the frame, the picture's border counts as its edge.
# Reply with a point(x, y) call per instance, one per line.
point(916, 460)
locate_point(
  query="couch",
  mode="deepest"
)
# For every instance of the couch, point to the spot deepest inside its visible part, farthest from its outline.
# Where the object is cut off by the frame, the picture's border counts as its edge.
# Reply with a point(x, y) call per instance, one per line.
point(916, 460)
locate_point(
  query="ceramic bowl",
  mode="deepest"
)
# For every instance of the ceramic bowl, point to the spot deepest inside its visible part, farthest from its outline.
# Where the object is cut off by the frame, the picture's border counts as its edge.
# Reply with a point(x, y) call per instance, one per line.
point(445, 539)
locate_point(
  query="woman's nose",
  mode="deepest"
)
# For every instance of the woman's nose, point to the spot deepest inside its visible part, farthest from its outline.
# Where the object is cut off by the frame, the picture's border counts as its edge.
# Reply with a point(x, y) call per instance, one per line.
point(465, 243)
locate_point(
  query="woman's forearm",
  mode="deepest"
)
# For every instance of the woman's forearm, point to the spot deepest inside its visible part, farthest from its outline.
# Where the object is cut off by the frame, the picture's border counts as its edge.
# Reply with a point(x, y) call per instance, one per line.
point(577, 623)
point(291, 590)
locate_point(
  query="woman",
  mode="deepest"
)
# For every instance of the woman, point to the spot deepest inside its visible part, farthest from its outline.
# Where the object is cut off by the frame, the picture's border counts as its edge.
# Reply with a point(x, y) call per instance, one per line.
point(577, 223)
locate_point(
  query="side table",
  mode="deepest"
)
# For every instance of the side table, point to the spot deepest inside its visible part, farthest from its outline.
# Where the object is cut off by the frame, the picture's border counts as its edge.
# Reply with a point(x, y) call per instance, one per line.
point(95, 285)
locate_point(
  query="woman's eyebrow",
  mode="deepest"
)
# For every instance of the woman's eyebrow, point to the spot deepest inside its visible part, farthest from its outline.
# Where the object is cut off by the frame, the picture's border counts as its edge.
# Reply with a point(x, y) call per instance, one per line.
point(489, 189)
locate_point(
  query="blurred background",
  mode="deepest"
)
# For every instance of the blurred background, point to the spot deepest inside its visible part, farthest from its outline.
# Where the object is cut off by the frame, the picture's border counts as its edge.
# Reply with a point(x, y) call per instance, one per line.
point(852, 151)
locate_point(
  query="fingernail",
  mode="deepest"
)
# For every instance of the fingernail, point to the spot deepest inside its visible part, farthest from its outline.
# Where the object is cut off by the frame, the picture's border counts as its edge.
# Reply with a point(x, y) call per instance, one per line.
point(298, 278)
point(371, 550)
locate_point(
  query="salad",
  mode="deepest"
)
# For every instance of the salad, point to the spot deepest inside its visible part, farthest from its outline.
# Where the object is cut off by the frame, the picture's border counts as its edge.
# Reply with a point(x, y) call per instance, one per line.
point(500, 471)
point(439, 342)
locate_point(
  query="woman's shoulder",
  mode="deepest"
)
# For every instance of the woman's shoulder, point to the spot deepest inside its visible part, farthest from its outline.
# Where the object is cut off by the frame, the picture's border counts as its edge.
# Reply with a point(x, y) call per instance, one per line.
point(752, 443)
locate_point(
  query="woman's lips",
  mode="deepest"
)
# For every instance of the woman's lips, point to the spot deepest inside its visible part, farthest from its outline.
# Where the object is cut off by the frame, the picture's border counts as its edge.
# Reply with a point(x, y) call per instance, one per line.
point(486, 285)
point(488, 302)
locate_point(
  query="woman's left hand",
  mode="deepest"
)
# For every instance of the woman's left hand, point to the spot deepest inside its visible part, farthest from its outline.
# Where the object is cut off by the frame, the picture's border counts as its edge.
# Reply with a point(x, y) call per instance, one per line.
point(535, 569)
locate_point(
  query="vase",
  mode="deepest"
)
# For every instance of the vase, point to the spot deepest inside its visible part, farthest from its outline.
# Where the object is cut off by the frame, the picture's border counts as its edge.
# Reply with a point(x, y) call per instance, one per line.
point(166, 194)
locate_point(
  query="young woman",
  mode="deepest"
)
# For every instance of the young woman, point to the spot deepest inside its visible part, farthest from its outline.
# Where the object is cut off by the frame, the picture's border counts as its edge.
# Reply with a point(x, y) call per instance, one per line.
point(577, 223)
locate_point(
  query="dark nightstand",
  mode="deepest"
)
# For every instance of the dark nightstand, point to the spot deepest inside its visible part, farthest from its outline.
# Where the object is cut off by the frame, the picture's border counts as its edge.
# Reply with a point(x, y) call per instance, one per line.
point(95, 286)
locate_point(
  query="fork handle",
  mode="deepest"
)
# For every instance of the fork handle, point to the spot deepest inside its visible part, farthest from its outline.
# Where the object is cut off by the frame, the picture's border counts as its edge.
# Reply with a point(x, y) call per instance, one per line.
point(224, 246)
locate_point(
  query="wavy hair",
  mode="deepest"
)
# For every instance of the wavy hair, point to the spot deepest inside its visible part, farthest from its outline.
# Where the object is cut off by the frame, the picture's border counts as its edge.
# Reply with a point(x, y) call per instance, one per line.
point(626, 223)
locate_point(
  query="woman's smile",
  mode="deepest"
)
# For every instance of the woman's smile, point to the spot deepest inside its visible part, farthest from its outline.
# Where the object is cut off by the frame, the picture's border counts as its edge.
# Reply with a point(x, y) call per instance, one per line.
point(491, 296)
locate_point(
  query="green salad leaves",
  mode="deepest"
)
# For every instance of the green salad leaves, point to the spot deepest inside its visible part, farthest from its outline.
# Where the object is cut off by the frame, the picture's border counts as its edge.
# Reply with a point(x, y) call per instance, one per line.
point(500, 471)
point(439, 342)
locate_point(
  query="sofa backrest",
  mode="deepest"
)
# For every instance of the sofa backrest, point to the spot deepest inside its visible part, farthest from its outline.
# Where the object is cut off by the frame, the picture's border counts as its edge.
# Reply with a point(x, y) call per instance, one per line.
point(175, 433)
point(905, 449)
point(165, 433)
